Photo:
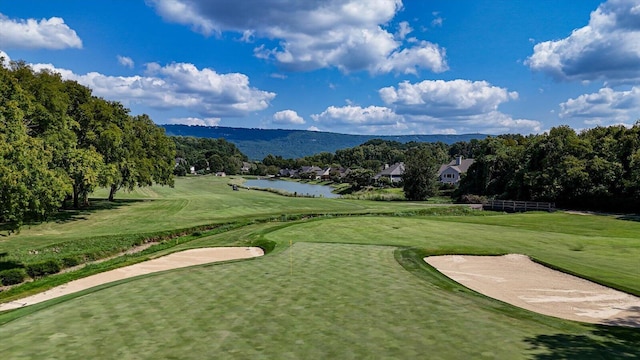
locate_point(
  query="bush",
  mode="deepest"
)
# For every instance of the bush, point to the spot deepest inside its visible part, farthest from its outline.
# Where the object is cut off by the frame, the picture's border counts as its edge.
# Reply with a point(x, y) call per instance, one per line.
point(12, 276)
point(43, 268)
point(473, 199)
point(70, 261)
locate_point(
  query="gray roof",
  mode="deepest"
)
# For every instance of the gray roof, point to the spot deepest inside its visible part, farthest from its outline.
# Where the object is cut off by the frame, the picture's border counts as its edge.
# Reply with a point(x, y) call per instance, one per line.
point(461, 169)
point(396, 169)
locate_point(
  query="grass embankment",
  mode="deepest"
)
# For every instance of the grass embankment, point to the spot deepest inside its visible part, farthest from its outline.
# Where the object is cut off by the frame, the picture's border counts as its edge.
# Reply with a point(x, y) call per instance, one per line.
point(350, 287)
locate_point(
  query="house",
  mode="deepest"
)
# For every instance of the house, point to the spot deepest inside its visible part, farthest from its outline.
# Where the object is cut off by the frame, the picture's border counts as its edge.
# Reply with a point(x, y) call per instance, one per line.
point(450, 173)
point(393, 172)
point(310, 172)
point(180, 161)
point(221, 173)
point(246, 167)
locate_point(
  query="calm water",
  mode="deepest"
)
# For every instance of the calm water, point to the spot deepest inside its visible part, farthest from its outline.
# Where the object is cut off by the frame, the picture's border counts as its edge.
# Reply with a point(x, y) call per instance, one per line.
point(293, 187)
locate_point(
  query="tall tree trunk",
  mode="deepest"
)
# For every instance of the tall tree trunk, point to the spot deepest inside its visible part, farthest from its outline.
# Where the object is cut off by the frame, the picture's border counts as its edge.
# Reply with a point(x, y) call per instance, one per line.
point(75, 197)
point(112, 192)
point(85, 199)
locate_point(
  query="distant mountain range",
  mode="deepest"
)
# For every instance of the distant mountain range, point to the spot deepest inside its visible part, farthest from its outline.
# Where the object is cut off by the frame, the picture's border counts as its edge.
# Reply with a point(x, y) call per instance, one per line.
point(258, 143)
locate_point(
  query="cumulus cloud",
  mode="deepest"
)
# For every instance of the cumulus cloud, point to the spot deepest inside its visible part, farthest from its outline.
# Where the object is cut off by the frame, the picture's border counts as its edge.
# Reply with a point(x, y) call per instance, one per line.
point(50, 33)
point(195, 121)
point(606, 107)
point(347, 35)
point(177, 85)
point(287, 117)
point(356, 119)
point(441, 106)
point(439, 98)
point(125, 61)
point(607, 49)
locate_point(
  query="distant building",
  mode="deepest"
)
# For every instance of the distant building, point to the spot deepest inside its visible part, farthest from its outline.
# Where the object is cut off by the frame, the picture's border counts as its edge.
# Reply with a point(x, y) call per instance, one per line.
point(393, 172)
point(450, 173)
point(246, 167)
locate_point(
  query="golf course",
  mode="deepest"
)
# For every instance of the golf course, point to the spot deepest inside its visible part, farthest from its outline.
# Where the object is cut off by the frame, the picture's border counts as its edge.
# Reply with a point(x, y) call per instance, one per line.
point(339, 279)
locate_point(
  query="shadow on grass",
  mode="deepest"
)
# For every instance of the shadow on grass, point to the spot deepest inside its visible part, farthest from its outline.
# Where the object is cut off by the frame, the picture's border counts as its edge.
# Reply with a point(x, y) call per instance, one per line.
point(604, 342)
point(630, 217)
point(69, 215)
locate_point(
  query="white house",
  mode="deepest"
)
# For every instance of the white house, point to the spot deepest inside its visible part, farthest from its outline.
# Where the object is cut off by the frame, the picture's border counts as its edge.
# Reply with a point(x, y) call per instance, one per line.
point(393, 172)
point(450, 173)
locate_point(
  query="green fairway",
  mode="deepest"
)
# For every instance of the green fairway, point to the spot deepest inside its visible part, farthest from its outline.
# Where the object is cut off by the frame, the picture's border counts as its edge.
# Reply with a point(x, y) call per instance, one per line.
point(600, 248)
point(350, 287)
point(332, 301)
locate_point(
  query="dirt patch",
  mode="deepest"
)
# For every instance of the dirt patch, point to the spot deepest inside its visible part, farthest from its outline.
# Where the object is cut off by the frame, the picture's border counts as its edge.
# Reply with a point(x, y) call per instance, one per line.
point(517, 280)
point(172, 261)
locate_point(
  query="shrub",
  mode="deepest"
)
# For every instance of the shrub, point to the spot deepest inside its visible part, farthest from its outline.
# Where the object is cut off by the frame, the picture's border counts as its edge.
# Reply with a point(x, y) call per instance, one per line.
point(43, 268)
point(12, 276)
point(473, 199)
point(70, 261)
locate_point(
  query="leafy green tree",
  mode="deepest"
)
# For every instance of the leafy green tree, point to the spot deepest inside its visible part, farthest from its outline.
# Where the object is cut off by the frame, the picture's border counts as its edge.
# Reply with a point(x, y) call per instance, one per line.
point(420, 178)
point(359, 178)
point(29, 189)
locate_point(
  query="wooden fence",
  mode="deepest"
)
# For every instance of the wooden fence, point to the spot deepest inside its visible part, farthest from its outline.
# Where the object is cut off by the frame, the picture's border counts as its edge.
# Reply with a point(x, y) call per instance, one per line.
point(518, 206)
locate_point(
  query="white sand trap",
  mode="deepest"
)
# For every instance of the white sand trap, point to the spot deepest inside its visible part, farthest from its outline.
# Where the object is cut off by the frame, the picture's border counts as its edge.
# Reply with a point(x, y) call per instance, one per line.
point(171, 261)
point(517, 280)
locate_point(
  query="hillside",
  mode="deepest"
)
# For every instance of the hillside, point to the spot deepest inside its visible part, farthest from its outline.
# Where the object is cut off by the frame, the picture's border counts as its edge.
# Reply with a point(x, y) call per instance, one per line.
point(258, 143)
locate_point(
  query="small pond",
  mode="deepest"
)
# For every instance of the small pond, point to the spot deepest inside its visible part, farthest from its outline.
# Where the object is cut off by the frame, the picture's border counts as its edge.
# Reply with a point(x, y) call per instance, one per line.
point(293, 187)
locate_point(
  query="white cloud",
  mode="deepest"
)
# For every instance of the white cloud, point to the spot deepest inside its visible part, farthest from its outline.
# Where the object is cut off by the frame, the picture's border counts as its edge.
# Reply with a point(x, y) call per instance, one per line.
point(404, 29)
point(125, 61)
point(5, 57)
point(287, 117)
point(347, 35)
point(178, 85)
point(439, 106)
point(607, 49)
point(313, 128)
point(439, 98)
point(356, 120)
point(195, 121)
point(50, 33)
point(604, 107)
point(437, 20)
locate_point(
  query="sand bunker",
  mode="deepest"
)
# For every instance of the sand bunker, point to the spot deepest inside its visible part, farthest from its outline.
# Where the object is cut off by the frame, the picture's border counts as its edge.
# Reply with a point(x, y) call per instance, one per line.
point(517, 280)
point(172, 261)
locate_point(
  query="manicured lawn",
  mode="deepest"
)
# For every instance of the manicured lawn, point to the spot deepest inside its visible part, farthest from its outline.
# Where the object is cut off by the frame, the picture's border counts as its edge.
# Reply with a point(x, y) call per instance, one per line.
point(600, 248)
point(350, 287)
point(332, 301)
point(193, 201)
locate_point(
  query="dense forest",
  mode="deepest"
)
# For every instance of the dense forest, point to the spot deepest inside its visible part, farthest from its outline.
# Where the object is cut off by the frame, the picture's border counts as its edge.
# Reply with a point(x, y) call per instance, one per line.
point(597, 169)
point(58, 143)
point(207, 156)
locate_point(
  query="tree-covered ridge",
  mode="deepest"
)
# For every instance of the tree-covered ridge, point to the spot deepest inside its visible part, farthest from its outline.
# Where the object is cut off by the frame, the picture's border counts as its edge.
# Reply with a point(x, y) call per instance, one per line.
point(59, 143)
point(258, 143)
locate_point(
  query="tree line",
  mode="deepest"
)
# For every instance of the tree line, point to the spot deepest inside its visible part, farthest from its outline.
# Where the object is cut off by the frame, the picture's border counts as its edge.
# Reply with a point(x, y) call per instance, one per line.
point(597, 169)
point(207, 156)
point(58, 143)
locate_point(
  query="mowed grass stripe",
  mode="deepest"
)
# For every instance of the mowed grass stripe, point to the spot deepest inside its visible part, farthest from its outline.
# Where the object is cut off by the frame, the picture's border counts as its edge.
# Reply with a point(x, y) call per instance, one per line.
point(614, 261)
point(340, 301)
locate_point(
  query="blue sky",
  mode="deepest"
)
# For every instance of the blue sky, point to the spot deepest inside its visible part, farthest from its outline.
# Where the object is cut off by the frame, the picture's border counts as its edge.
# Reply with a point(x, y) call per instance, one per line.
point(350, 66)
